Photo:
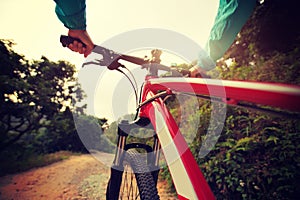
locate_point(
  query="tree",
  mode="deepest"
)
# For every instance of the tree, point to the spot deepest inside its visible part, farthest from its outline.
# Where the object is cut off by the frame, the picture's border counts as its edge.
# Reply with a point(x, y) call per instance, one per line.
point(16, 117)
point(32, 94)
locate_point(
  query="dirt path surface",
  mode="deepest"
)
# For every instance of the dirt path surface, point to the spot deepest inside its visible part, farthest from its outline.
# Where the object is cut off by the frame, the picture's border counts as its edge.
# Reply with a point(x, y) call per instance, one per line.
point(77, 178)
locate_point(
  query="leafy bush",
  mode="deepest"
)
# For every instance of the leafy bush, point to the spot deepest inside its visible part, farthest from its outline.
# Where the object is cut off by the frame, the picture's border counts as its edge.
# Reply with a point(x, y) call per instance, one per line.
point(255, 158)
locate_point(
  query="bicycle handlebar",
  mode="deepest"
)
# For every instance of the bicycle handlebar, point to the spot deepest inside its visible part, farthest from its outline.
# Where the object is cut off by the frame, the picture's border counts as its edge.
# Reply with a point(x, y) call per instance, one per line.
point(111, 58)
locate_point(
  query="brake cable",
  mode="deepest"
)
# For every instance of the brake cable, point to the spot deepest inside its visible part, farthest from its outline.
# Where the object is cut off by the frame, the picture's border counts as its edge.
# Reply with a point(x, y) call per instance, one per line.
point(134, 86)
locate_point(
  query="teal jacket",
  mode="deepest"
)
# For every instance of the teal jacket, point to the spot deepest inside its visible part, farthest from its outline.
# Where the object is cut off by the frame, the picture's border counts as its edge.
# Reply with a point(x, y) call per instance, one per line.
point(71, 13)
point(231, 16)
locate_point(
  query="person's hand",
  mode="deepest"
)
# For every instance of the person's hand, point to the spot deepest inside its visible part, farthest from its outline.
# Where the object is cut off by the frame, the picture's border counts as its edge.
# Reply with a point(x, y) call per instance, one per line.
point(85, 38)
point(198, 72)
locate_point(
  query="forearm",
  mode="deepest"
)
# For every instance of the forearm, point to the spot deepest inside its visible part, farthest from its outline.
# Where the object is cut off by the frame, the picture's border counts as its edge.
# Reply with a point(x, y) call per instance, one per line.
point(231, 17)
point(72, 13)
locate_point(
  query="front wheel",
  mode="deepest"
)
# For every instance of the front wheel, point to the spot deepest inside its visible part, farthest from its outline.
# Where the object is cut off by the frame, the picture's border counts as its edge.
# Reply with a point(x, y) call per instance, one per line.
point(134, 182)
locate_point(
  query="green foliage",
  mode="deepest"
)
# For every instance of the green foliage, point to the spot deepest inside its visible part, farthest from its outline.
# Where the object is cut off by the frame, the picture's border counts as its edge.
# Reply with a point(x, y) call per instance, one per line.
point(279, 67)
point(255, 158)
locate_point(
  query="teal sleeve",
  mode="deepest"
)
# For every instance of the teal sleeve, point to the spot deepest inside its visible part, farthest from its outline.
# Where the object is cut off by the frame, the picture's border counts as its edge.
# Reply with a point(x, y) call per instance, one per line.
point(72, 13)
point(231, 17)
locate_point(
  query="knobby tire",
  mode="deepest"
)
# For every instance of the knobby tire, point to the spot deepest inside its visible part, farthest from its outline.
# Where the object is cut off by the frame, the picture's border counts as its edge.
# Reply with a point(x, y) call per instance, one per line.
point(141, 184)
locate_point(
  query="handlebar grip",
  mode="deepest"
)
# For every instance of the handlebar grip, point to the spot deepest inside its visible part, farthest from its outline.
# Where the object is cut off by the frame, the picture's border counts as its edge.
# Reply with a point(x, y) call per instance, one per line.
point(66, 40)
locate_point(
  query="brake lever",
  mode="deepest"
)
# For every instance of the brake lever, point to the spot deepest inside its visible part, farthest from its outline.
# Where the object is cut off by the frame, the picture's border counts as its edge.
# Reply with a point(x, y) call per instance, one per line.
point(109, 57)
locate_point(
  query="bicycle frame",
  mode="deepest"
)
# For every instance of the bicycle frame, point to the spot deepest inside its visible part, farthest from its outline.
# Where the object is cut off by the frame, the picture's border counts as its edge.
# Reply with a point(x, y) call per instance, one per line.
point(153, 113)
point(187, 177)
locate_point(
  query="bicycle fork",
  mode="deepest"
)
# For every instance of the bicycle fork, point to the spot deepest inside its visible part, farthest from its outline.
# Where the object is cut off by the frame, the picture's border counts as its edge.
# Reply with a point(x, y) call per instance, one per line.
point(153, 152)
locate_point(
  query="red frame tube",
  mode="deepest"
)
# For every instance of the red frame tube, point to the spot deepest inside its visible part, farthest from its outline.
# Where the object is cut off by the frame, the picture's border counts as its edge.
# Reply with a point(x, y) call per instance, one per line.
point(271, 94)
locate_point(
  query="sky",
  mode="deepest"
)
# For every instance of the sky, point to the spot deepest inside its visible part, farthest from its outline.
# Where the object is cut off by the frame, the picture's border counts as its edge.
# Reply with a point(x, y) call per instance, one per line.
point(34, 27)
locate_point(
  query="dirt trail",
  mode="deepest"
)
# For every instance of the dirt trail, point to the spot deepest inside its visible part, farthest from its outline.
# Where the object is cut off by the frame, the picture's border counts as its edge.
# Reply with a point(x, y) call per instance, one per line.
point(76, 178)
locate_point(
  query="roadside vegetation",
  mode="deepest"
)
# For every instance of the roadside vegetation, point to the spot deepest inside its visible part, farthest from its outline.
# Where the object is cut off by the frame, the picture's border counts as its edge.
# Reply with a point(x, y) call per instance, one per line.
point(256, 156)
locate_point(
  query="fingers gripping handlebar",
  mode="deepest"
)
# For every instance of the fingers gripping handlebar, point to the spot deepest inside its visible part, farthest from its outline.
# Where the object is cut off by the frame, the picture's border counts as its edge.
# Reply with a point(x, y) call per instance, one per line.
point(67, 40)
point(110, 58)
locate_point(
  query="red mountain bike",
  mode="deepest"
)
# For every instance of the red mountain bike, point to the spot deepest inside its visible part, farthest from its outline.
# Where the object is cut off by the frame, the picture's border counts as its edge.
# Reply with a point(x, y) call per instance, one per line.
point(135, 168)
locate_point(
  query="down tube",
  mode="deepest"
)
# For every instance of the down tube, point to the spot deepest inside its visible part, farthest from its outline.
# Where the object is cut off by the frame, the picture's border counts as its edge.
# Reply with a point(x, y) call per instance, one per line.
point(187, 177)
